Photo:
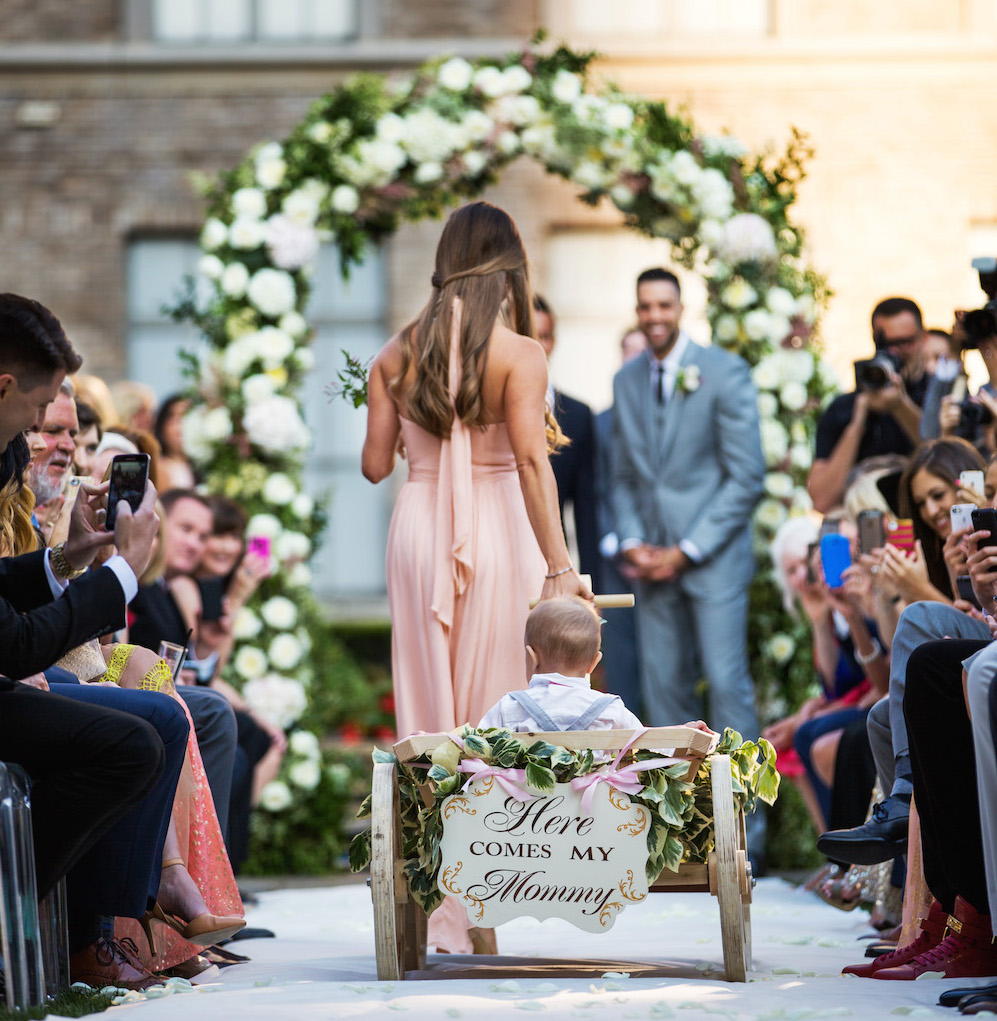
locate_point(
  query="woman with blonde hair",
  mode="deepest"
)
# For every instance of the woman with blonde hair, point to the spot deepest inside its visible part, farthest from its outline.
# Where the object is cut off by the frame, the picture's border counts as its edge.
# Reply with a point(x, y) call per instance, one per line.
point(476, 532)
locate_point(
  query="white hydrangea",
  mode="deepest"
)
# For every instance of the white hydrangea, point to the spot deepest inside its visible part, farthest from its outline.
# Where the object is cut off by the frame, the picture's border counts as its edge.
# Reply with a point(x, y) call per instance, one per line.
point(285, 651)
point(725, 328)
point(724, 145)
point(300, 576)
point(589, 109)
point(195, 443)
point(294, 324)
point(250, 662)
point(278, 699)
point(276, 796)
point(793, 396)
point(476, 126)
point(305, 774)
point(518, 110)
point(272, 291)
point(474, 162)
point(266, 525)
point(766, 374)
point(711, 233)
point(214, 234)
point(768, 404)
point(305, 744)
point(210, 266)
point(302, 205)
point(273, 345)
point(775, 442)
point(258, 387)
point(291, 244)
point(508, 143)
point(345, 199)
point(376, 162)
point(428, 173)
point(246, 234)
point(777, 484)
point(684, 168)
point(738, 294)
point(489, 81)
point(302, 506)
point(279, 613)
point(540, 139)
point(390, 128)
point(275, 425)
point(293, 546)
point(235, 279)
point(780, 301)
point(455, 74)
point(618, 117)
point(249, 202)
point(430, 137)
point(771, 514)
point(516, 78)
point(239, 355)
point(566, 87)
point(321, 132)
point(797, 364)
point(246, 624)
point(279, 489)
point(747, 237)
point(714, 194)
point(270, 166)
point(758, 324)
point(216, 424)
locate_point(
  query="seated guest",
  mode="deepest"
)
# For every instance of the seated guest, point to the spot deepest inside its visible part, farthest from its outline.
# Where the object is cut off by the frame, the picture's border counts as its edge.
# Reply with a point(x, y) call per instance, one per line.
point(51, 469)
point(175, 465)
point(88, 438)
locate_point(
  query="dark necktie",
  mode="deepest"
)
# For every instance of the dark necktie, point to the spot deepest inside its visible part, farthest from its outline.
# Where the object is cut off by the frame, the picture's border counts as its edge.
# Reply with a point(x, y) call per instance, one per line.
point(660, 383)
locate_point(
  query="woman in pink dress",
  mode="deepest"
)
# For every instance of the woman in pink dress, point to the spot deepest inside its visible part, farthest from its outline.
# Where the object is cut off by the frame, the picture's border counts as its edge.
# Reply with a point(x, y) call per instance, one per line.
point(476, 532)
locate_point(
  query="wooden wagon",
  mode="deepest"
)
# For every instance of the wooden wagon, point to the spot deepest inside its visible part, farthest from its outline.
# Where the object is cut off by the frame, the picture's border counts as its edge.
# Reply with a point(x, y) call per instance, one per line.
point(400, 923)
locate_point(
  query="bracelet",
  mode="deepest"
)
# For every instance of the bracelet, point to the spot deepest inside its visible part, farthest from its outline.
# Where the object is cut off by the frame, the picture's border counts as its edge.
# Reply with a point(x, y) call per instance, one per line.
point(877, 652)
point(557, 574)
point(61, 566)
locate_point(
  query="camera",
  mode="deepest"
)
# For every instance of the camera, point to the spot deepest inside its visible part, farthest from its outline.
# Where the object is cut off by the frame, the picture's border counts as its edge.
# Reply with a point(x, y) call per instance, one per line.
point(875, 373)
point(973, 415)
point(981, 323)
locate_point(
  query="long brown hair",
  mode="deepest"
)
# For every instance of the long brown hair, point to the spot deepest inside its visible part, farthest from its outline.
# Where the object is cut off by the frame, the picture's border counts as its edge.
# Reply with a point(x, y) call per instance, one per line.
point(944, 459)
point(17, 533)
point(481, 260)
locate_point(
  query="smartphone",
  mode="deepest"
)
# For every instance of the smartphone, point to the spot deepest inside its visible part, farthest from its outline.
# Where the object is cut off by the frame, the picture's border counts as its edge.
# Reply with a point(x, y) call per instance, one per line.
point(872, 530)
point(212, 592)
point(129, 477)
point(829, 526)
point(901, 535)
point(260, 545)
point(972, 480)
point(835, 556)
point(961, 516)
point(986, 518)
point(812, 548)
point(964, 588)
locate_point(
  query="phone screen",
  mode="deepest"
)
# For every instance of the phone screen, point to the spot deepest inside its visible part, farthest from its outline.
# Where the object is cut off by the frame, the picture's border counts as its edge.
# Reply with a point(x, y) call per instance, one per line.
point(129, 476)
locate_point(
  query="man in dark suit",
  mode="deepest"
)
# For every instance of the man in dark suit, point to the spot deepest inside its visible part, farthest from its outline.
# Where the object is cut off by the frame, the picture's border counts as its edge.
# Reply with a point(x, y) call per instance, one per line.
point(90, 764)
point(574, 464)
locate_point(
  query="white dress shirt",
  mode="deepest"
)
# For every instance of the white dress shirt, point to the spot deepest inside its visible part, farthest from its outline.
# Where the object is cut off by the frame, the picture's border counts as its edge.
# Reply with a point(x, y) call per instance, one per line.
point(564, 699)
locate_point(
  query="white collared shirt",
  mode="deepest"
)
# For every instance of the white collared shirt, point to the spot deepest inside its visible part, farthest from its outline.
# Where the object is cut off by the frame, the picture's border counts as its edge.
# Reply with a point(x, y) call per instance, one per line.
point(671, 363)
point(564, 699)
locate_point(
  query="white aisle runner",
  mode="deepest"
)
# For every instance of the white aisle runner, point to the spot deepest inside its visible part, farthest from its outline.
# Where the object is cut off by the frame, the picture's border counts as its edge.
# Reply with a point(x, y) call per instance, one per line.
point(321, 966)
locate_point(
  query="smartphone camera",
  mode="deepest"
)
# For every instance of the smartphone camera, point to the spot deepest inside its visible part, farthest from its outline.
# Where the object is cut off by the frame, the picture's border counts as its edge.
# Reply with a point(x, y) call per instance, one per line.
point(129, 477)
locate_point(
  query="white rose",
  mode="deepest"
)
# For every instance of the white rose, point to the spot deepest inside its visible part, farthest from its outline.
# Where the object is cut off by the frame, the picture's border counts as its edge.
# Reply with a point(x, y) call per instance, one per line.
point(771, 514)
point(618, 117)
point(490, 81)
point(427, 173)
point(508, 143)
point(302, 204)
point(276, 796)
point(430, 138)
point(801, 456)
point(272, 292)
point(275, 425)
point(270, 166)
point(265, 525)
point(305, 357)
point(758, 324)
point(539, 139)
point(210, 266)
point(390, 128)
point(516, 78)
point(518, 110)
point(455, 74)
point(305, 775)
point(725, 329)
point(775, 442)
point(280, 700)
point(300, 576)
point(273, 346)
point(780, 301)
point(476, 125)
point(747, 238)
point(798, 365)
point(685, 168)
point(258, 387)
point(279, 489)
point(321, 132)
point(293, 546)
point(566, 87)
point(246, 234)
point(194, 442)
point(249, 662)
point(235, 279)
point(250, 203)
point(279, 612)
point(474, 162)
point(588, 108)
point(285, 651)
point(793, 396)
point(345, 199)
point(302, 506)
point(291, 244)
point(246, 624)
point(293, 323)
point(216, 425)
point(691, 380)
point(777, 484)
point(781, 647)
point(305, 743)
point(214, 234)
point(768, 405)
point(738, 294)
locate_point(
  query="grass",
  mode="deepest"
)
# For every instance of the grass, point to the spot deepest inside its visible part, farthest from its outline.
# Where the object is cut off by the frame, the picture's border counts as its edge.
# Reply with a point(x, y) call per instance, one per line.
point(71, 1003)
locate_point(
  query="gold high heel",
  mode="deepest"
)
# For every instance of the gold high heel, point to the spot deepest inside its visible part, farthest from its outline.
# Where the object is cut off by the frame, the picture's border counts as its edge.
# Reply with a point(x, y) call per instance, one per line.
point(203, 930)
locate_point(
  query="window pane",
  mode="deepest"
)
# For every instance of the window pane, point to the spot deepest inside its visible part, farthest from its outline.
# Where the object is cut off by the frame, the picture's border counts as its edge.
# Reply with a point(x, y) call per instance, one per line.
point(176, 20)
point(228, 20)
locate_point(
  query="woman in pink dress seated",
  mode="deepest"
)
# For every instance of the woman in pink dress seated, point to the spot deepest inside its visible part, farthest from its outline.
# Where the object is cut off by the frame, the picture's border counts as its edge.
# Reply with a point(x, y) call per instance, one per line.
point(476, 532)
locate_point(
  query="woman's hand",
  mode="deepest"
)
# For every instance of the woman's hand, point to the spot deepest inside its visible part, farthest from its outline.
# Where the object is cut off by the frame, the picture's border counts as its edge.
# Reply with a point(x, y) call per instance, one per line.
point(567, 584)
point(781, 733)
point(948, 416)
point(252, 569)
point(909, 574)
point(954, 551)
point(981, 566)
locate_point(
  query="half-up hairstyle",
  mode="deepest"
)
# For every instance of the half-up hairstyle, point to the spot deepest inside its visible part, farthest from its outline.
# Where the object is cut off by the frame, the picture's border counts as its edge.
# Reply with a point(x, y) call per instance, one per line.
point(481, 260)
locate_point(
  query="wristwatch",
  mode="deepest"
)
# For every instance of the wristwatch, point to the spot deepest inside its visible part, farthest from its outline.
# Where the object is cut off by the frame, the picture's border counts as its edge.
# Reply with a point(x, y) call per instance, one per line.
point(60, 564)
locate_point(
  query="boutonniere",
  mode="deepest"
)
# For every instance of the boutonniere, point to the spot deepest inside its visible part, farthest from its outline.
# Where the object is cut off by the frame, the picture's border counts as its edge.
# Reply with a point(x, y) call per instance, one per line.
point(687, 379)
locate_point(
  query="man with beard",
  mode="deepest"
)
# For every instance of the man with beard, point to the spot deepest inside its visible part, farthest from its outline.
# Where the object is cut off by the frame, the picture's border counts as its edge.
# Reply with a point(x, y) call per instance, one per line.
point(51, 469)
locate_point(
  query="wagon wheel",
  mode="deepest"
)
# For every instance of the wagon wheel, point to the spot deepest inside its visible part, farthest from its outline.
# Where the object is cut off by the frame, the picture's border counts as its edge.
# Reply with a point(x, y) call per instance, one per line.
point(728, 872)
point(387, 887)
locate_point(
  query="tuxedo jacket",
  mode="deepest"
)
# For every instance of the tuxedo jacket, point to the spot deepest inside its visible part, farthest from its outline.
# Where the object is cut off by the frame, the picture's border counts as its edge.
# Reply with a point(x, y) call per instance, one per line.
point(692, 470)
point(574, 472)
point(35, 629)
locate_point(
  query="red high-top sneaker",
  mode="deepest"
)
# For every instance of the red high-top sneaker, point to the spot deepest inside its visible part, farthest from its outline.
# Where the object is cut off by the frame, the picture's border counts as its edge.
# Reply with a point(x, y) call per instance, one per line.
point(968, 951)
point(931, 934)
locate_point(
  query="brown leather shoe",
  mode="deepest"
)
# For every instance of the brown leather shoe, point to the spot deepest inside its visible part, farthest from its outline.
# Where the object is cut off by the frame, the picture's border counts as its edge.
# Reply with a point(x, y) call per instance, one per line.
point(107, 963)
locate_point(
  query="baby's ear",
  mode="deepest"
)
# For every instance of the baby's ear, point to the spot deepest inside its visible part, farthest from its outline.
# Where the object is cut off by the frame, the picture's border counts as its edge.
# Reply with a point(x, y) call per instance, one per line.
point(531, 661)
point(596, 661)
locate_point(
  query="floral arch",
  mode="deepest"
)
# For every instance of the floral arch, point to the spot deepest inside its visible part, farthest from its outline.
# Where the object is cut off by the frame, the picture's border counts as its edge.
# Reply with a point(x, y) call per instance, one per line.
point(375, 152)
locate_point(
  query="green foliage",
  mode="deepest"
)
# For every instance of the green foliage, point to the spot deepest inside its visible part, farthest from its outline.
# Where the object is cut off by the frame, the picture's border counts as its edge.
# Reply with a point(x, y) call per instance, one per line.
point(71, 1003)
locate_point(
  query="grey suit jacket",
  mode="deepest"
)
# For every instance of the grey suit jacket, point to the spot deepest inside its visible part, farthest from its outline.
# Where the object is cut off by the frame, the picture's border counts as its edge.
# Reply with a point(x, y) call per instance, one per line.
point(697, 475)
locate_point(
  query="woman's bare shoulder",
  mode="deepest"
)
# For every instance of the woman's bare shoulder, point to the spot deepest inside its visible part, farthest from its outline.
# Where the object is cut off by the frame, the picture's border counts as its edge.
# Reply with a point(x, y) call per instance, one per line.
point(389, 359)
point(513, 348)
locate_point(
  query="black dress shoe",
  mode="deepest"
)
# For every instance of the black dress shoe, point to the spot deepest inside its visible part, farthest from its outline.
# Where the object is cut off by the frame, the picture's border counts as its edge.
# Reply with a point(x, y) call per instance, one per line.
point(951, 997)
point(883, 837)
point(979, 1004)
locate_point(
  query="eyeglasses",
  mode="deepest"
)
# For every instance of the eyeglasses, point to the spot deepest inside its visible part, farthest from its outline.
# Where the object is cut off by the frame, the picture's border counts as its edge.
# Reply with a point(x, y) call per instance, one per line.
point(900, 341)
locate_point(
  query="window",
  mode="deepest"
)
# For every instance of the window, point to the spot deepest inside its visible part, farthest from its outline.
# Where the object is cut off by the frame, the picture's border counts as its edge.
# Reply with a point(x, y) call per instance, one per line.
point(232, 21)
point(350, 315)
point(661, 19)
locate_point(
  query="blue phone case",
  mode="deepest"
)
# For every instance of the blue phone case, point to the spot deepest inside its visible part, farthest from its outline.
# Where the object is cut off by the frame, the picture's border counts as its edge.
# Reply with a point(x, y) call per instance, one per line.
point(835, 556)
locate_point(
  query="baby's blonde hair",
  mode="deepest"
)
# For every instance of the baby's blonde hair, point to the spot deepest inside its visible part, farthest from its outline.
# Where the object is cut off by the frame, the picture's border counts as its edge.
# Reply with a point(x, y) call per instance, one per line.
point(564, 634)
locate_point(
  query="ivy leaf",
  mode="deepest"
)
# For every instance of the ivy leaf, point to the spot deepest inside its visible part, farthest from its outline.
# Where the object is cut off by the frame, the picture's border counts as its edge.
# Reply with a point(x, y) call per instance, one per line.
point(672, 853)
point(360, 851)
point(438, 774)
point(380, 755)
point(541, 750)
point(539, 777)
point(477, 746)
point(363, 812)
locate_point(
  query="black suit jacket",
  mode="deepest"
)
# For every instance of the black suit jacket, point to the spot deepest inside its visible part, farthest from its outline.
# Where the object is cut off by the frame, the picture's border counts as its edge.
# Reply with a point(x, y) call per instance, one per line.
point(574, 471)
point(35, 629)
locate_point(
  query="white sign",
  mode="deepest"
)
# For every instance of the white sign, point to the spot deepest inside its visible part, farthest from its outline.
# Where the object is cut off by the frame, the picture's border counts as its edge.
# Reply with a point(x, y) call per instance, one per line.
point(546, 857)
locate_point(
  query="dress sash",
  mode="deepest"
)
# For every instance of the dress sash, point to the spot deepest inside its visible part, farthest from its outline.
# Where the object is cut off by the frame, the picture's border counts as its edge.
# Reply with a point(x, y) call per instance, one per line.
point(452, 535)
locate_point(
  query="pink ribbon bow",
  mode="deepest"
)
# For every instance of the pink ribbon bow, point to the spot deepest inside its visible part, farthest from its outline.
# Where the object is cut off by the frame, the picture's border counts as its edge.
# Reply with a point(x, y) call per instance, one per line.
point(508, 779)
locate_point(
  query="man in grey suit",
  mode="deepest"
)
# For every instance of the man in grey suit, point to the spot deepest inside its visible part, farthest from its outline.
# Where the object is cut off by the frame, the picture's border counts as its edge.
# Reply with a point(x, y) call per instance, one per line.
point(688, 472)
